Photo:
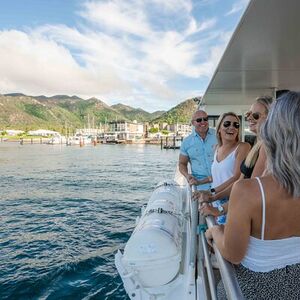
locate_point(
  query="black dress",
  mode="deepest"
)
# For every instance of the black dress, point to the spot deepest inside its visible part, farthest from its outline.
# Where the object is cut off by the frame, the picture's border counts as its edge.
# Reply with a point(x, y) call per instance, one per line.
point(246, 171)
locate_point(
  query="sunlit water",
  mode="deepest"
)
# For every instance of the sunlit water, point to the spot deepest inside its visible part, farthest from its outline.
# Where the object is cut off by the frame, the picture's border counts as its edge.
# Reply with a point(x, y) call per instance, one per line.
point(64, 212)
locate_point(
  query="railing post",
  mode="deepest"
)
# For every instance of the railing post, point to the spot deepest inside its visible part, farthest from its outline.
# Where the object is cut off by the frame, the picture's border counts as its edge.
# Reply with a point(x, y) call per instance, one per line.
point(194, 223)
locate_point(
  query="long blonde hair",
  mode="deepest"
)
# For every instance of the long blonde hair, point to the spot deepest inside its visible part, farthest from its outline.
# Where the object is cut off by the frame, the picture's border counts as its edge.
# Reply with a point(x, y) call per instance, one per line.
point(252, 156)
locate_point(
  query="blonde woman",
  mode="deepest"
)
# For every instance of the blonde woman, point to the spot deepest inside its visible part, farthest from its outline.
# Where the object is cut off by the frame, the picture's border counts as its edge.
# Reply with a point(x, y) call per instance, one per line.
point(229, 154)
point(262, 233)
point(255, 162)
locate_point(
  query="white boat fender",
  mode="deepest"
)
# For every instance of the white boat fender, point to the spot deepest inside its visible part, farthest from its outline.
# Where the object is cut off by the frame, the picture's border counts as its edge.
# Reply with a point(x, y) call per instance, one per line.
point(153, 252)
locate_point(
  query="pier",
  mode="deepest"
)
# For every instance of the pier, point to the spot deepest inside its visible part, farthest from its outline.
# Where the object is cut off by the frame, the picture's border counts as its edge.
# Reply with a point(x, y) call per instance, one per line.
point(171, 142)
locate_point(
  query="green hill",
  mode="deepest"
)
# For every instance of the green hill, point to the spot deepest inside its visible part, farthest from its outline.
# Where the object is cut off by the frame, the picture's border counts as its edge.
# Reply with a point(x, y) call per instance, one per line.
point(181, 113)
point(136, 113)
point(62, 112)
point(55, 113)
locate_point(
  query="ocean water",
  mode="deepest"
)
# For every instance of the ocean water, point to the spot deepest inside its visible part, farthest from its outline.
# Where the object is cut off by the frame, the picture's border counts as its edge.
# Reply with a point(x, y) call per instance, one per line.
point(64, 212)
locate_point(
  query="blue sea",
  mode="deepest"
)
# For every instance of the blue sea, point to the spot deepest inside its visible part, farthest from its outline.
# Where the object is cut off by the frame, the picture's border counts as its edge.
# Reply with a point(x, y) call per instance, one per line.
point(64, 212)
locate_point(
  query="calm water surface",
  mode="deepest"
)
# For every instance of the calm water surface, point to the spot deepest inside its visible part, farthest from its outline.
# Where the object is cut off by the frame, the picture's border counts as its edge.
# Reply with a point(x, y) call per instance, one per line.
point(64, 212)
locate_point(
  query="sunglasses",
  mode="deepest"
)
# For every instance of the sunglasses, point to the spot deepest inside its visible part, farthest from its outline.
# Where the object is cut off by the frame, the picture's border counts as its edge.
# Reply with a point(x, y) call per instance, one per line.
point(254, 115)
point(199, 120)
point(236, 125)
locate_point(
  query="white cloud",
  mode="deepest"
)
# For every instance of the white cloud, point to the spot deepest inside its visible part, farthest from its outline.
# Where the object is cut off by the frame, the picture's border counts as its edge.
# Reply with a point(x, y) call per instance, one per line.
point(174, 5)
point(117, 52)
point(118, 16)
point(237, 7)
point(36, 65)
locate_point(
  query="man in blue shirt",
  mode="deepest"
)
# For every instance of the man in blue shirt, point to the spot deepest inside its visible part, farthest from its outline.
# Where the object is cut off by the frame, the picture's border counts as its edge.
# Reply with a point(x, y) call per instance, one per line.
point(198, 150)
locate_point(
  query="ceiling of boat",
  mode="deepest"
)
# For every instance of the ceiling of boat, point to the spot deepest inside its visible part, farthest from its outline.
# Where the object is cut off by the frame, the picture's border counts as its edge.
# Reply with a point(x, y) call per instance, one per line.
point(262, 55)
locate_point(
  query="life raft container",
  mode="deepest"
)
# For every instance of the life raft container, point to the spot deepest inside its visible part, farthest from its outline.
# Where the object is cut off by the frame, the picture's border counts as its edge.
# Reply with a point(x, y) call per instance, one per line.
point(153, 252)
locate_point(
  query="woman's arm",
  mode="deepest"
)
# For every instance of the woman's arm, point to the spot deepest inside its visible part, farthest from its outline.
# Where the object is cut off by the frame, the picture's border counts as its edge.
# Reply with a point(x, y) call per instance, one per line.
point(232, 241)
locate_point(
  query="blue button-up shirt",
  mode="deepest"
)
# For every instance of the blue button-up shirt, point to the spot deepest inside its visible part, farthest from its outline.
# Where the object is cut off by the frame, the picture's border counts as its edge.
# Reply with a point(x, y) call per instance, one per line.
point(200, 153)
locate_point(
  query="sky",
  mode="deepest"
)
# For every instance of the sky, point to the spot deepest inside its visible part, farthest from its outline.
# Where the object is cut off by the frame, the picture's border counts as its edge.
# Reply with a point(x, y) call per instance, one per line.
point(151, 54)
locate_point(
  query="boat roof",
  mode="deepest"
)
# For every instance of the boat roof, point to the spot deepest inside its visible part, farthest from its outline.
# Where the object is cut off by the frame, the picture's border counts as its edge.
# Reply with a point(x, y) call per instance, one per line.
point(262, 56)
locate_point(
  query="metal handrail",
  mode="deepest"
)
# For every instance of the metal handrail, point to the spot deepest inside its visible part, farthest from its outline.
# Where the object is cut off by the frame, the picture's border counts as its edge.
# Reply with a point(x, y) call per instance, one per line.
point(209, 269)
point(227, 271)
point(204, 254)
point(194, 224)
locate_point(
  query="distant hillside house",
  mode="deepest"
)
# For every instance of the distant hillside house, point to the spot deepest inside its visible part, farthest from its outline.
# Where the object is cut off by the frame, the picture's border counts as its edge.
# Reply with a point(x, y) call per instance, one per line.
point(88, 131)
point(43, 132)
point(124, 130)
point(163, 126)
point(180, 129)
point(12, 132)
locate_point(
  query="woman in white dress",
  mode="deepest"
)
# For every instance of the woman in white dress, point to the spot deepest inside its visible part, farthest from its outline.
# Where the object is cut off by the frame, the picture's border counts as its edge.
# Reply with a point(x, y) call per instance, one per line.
point(229, 154)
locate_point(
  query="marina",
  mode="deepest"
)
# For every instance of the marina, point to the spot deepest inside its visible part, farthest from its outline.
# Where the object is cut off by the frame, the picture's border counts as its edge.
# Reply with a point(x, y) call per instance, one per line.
point(103, 212)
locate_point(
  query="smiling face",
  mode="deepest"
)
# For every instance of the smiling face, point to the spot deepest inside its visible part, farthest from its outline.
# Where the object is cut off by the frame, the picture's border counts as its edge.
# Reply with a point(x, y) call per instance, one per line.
point(200, 122)
point(256, 116)
point(229, 129)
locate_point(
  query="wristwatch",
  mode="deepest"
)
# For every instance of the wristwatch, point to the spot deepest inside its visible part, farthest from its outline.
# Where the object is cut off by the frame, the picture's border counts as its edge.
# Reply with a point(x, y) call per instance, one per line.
point(221, 209)
point(212, 191)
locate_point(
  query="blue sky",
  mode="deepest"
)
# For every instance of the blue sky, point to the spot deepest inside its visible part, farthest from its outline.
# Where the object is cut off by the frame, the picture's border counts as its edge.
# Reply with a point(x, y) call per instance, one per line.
point(151, 54)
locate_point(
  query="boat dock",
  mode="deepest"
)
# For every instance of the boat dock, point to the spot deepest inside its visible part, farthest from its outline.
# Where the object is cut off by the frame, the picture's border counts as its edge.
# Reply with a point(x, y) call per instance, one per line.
point(171, 143)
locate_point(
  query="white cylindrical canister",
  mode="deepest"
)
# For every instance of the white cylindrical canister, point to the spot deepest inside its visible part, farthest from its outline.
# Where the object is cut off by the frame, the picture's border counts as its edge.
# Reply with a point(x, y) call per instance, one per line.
point(153, 252)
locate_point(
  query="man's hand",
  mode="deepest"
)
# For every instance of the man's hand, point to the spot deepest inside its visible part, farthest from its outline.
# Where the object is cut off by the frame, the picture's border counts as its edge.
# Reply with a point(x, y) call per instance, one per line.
point(192, 180)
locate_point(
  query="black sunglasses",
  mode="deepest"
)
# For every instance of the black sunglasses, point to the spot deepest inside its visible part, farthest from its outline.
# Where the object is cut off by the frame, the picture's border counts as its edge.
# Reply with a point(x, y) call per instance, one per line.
point(234, 124)
point(199, 120)
point(254, 115)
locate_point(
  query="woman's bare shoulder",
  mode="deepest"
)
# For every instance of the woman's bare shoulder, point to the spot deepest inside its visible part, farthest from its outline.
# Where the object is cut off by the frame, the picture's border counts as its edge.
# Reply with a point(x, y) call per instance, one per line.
point(245, 184)
point(245, 190)
point(244, 146)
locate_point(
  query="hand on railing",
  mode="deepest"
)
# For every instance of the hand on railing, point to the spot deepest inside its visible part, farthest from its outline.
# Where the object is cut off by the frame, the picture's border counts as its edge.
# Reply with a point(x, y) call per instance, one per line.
point(202, 196)
point(208, 233)
point(207, 209)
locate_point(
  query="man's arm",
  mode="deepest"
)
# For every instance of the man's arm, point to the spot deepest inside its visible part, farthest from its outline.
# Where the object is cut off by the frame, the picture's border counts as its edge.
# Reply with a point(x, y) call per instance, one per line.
point(183, 165)
point(183, 168)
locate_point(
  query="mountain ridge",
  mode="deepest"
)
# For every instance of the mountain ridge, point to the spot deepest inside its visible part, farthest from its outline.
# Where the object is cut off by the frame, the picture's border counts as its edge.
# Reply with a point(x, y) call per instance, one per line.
point(19, 111)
